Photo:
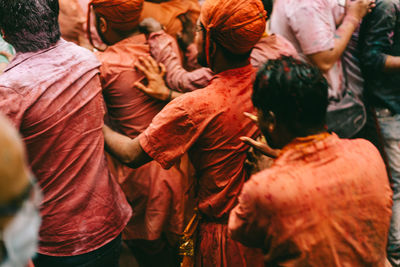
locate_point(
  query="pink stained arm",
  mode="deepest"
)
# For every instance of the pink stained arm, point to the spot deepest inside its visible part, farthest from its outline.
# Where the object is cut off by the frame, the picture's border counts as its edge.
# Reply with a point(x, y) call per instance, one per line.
point(177, 78)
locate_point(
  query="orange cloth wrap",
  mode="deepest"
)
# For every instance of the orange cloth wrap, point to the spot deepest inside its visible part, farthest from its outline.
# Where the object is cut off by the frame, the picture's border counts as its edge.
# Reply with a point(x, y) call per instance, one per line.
point(236, 25)
point(123, 15)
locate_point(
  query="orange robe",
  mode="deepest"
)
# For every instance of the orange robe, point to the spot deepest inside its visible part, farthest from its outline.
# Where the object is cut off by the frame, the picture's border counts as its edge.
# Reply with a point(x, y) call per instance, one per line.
point(156, 195)
point(324, 202)
point(167, 13)
point(207, 124)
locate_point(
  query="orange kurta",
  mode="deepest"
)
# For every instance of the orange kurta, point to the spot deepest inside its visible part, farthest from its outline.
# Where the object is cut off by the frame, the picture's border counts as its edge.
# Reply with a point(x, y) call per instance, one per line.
point(167, 13)
point(322, 203)
point(207, 123)
point(156, 195)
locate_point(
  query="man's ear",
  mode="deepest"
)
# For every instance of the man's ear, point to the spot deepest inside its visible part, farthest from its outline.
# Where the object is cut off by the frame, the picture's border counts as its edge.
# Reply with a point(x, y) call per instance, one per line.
point(103, 24)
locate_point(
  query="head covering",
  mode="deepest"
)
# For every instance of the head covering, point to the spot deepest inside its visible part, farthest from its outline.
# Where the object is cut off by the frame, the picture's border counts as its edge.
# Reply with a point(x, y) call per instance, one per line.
point(122, 15)
point(237, 25)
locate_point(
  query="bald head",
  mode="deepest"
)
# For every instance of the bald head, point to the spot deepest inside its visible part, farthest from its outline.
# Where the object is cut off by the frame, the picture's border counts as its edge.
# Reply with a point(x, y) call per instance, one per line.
point(14, 176)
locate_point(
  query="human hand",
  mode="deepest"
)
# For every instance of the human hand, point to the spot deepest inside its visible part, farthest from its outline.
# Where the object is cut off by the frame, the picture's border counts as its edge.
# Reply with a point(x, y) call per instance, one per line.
point(150, 25)
point(186, 36)
point(256, 161)
point(359, 8)
point(260, 154)
point(154, 73)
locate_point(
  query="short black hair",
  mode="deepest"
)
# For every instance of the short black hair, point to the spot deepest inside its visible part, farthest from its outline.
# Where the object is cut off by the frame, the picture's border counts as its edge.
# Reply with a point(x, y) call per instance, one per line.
point(268, 6)
point(295, 91)
point(30, 25)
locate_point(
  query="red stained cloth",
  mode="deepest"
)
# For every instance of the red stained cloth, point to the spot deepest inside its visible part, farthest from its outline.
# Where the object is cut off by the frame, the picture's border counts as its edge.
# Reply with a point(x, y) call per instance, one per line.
point(207, 123)
point(324, 202)
point(122, 14)
point(54, 98)
point(156, 195)
point(237, 25)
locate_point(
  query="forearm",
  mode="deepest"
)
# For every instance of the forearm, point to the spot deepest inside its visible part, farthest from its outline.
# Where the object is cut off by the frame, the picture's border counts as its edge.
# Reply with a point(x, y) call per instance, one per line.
point(177, 77)
point(125, 149)
point(392, 64)
point(326, 59)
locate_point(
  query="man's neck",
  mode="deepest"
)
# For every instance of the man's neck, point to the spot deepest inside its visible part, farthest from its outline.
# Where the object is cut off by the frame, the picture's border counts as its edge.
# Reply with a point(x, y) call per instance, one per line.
point(222, 65)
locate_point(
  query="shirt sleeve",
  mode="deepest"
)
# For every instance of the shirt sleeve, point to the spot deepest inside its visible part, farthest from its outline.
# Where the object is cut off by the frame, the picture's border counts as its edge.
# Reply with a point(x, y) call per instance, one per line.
point(177, 78)
point(11, 105)
point(173, 131)
point(313, 26)
point(377, 33)
point(243, 224)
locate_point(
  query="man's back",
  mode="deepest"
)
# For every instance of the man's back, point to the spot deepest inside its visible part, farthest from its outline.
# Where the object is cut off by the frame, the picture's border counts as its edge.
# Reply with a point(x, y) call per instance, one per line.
point(208, 123)
point(155, 194)
point(54, 98)
point(324, 202)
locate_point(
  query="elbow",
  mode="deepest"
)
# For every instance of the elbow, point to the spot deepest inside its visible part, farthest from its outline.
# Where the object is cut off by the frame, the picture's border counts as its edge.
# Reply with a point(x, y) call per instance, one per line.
point(325, 66)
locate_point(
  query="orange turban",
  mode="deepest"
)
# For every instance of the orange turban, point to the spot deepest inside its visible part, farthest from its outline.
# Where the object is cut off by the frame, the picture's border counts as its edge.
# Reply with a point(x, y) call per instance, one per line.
point(123, 15)
point(236, 25)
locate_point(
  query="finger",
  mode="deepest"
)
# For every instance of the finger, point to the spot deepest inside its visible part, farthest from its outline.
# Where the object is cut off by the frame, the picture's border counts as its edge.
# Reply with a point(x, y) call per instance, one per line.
point(153, 64)
point(251, 142)
point(252, 117)
point(145, 63)
point(141, 68)
point(263, 148)
point(141, 87)
point(163, 69)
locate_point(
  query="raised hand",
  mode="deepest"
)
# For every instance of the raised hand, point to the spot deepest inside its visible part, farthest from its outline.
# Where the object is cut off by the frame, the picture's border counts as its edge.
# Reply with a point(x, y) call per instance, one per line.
point(154, 73)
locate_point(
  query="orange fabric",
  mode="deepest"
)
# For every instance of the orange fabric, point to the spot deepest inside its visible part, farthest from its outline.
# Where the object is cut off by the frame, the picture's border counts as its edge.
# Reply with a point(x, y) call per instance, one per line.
point(123, 14)
point(157, 196)
point(207, 124)
point(167, 13)
point(237, 25)
point(324, 202)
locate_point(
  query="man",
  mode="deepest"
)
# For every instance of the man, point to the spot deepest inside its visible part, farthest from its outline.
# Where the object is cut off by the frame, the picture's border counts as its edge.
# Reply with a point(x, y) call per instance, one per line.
point(270, 46)
point(19, 214)
point(325, 201)
point(207, 123)
point(320, 31)
point(380, 50)
point(156, 195)
point(51, 91)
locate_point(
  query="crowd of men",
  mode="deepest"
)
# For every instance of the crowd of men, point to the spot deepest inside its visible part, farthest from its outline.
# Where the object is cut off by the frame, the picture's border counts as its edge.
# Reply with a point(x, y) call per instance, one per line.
point(232, 133)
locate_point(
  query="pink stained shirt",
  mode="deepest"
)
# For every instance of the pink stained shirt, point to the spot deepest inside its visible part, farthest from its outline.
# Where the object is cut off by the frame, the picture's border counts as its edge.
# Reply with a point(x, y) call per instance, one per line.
point(179, 79)
point(156, 195)
point(54, 98)
point(322, 203)
point(310, 25)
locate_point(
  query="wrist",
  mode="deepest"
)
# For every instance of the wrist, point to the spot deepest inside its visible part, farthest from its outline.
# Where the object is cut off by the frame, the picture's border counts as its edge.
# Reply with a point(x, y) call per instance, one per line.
point(351, 19)
point(169, 96)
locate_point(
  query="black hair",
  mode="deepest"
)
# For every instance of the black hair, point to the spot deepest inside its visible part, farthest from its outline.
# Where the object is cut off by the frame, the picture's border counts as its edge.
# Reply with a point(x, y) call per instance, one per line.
point(295, 91)
point(268, 5)
point(30, 25)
